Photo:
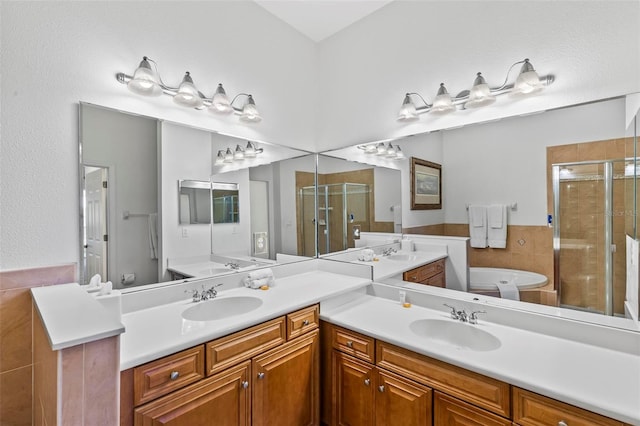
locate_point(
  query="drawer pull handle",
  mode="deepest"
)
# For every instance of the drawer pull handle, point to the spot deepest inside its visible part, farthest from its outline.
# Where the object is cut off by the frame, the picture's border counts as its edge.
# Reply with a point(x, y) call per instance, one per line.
point(305, 322)
point(381, 388)
point(260, 375)
point(245, 385)
point(562, 423)
point(350, 343)
point(174, 375)
point(367, 382)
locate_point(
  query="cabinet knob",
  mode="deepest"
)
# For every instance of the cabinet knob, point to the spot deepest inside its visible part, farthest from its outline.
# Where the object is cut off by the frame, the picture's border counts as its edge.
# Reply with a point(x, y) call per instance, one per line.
point(174, 375)
point(350, 343)
point(305, 322)
point(245, 385)
point(260, 375)
point(381, 388)
point(367, 382)
point(562, 423)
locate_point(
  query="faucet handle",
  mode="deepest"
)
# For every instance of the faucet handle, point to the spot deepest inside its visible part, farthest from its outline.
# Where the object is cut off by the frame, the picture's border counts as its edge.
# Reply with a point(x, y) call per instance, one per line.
point(473, 316)
point(194, 294)
point(454, 312)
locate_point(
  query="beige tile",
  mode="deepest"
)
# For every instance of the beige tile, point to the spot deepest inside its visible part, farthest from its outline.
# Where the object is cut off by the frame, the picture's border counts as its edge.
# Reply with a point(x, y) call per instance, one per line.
point(45, 389)
point(71, 385)
point(15, 397)
point(562, 153)
point(35, 277)
point(102, 372)
point(15, 329)
point(592, 150)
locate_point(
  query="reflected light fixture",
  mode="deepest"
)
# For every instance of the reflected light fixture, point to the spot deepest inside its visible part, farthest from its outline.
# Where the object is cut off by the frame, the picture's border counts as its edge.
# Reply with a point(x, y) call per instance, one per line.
point(146, 81)
point(481, 94)
point(381, 150)
point(238, 154)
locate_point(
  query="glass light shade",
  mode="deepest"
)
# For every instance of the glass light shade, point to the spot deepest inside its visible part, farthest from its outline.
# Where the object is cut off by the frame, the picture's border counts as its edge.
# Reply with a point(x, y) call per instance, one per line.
point(220, 157)
point(391, 151)
point(399, 153)
point(480, 94)
point(188, 95)
point(370, 149)
point(408, 110)
point(250, 112)
point(220, 103)
point(528, 81)
point(442, 103)
point(239, 154)
point(250, 150)
point(228, 156)
point(381, 149)
point(145, 81)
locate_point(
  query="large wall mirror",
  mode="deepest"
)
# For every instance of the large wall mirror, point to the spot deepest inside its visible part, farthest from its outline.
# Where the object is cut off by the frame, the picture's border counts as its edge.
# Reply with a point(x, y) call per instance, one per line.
point(157, 203)
point(583, 251)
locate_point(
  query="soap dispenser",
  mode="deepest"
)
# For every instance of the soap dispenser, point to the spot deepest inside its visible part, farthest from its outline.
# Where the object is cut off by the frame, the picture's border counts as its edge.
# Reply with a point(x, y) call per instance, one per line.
point(406, 244)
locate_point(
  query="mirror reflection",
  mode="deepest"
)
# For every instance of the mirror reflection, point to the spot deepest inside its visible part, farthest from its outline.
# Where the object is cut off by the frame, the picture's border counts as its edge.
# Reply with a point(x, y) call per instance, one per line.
point(225, 201)
point(510, 163)
point(195, 202)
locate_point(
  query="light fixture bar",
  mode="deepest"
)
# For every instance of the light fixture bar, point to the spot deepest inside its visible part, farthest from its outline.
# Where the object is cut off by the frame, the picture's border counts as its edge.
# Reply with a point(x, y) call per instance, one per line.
point(147, 82)
point(528, 82)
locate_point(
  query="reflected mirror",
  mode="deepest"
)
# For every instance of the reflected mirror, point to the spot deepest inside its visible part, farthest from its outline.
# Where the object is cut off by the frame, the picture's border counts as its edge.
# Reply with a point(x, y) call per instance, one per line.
point(194, 202)
point(225, 201)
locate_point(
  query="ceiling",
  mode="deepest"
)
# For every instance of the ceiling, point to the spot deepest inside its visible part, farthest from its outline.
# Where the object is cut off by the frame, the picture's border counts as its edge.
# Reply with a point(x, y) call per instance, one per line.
point(319, 19)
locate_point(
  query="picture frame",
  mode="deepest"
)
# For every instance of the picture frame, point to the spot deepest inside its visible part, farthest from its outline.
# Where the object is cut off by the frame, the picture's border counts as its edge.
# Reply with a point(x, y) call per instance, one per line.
point(426, 185)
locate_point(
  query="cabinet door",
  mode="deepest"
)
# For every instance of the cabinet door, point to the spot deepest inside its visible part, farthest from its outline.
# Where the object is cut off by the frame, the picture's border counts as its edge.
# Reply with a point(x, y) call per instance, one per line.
point(449, 411)
point(286, 385)
point(354, 387)
point(223, 400)
point(401, 402)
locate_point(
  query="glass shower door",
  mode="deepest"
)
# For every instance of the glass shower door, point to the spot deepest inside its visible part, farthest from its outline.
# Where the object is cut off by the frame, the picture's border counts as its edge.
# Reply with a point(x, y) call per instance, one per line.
point(589, 235)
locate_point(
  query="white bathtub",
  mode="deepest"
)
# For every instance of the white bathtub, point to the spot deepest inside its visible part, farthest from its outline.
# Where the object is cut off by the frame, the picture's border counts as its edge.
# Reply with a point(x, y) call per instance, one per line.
point(485, 279)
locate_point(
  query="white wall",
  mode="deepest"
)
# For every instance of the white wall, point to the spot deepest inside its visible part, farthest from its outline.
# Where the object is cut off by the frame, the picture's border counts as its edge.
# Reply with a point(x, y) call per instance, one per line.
point(234, 238)
point(386, 195)
point(592, 47)
point(185, 154)
point(505, 162)
point(55, 54)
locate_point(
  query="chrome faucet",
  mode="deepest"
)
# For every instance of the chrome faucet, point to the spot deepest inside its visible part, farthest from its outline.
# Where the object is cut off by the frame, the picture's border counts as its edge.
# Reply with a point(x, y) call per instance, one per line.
point(233, 265)
point(462, 315)
point(210, 293)
point(388, 251)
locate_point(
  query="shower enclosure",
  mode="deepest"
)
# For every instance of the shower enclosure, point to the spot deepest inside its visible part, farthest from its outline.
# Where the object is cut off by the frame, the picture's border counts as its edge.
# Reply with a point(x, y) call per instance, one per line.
point(589, 234)
point(341, 206)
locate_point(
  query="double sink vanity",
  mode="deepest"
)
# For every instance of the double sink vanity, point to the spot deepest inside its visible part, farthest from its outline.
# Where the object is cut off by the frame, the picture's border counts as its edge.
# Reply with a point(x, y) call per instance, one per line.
point(329, 344)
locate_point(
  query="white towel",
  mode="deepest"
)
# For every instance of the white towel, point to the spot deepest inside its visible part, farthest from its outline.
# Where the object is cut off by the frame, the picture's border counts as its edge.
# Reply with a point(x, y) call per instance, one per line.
point(509, 291)
point(153, 235)
point(497, 230)
point(259, 278)
point(478, 226)
point(397, 218)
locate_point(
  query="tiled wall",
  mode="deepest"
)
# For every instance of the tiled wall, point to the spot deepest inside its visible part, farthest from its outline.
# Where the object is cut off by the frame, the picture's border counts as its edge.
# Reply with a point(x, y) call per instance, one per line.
point(16, 341)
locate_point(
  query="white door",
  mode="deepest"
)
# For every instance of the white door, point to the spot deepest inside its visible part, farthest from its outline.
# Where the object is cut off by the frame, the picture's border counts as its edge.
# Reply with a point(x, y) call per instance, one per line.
point(96, 239)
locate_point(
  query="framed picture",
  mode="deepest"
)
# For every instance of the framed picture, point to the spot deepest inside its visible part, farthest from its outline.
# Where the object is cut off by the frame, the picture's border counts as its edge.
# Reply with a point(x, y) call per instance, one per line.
point(426, 185)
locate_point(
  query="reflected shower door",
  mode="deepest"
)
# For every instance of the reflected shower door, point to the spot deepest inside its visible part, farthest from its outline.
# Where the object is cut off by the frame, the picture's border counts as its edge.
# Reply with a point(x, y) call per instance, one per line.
point(589, 235)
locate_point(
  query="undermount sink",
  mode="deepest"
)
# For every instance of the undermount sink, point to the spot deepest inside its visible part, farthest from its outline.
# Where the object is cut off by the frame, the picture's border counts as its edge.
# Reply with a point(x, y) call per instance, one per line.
point(455, 333)
point(223, 307)
point(402, 257)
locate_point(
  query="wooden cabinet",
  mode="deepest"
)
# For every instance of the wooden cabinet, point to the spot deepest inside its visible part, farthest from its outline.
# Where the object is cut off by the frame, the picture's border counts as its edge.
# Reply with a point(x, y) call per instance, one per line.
point(430, 274)
point(531, 409)
point(255, 376)
point(353, 391)
point(451, 411)
point(400, 401)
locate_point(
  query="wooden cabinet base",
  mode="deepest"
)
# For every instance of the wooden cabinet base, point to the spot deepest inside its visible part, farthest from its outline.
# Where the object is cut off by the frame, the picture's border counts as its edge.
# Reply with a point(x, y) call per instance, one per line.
point(449, 411)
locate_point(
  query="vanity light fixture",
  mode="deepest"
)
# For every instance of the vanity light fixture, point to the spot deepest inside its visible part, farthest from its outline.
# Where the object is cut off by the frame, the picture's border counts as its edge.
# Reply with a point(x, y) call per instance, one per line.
point(379, 149)
point(146, 81)
point(238, 154)
point(527, 83)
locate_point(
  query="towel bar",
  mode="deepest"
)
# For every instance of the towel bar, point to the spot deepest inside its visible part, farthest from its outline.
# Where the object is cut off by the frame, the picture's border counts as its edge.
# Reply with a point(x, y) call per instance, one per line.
point(512, 206)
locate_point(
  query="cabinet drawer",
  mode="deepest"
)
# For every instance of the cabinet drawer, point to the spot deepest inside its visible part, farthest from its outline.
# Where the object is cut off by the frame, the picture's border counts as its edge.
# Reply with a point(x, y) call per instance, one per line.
point(485, 392)
point(437, 280)
point(240, 346)
point(167, 374)
point(302, 321)
point(353, 343)
point(422, 273)
point(452, 412)
point(531, 409)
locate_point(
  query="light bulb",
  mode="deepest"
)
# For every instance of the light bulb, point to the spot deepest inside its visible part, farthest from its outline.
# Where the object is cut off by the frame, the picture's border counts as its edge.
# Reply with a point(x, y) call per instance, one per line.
point(391, 151)
point(250, 150)
point(381, 149)
point(250, 112)
point(528, 81)
point(408, 110)
point(480, 94)
point(220, 102)
point(239, 154)
point(399, 153)
point(228, 156)
point(188, 95)
point(220, 157)
point(144, 81)
point(442, 103)
point(370, 149)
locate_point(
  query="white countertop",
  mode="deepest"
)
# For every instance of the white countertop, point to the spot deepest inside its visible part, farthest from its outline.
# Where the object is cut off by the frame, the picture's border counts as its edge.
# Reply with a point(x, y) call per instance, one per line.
point(159, 331)
point(72, 317)
point(591, 377)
